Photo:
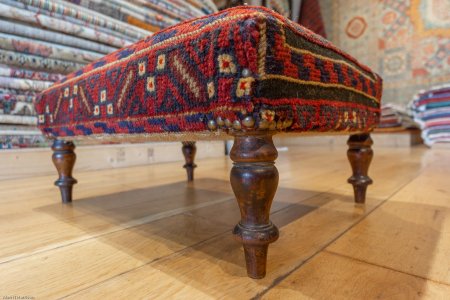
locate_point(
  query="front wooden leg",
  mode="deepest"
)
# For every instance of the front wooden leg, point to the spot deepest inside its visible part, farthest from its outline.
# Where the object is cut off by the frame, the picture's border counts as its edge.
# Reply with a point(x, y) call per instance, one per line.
point(189, 149)
point(360, 155)
point(64, 159)
point(254, 179)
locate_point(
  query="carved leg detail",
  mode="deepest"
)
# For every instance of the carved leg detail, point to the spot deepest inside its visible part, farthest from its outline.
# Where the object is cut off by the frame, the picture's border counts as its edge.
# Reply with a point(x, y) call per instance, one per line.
point(189, 150)
point(254, 179)
point(360, 155)
point(64, 159)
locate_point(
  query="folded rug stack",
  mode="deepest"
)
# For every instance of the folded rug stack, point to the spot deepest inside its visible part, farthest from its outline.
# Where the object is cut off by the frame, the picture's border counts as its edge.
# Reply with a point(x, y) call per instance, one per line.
point(395, 118)
point(43, 40)
point(431, 110)
point(390, 118)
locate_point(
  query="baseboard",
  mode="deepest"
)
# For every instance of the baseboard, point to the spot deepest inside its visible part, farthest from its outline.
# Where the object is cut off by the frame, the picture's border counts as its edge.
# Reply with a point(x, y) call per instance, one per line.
point(37, 162)
point(406, 138)
point(392, 139)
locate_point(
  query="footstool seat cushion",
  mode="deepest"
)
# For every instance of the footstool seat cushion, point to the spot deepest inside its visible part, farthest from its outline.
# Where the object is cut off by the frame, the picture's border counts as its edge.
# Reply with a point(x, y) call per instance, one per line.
point(245, 67)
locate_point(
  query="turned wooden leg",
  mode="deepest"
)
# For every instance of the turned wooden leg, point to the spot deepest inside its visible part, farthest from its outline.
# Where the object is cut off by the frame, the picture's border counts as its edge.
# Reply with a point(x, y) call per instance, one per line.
point(189, 150)
point(64, 159)
point(360, 155)
point(254, 179)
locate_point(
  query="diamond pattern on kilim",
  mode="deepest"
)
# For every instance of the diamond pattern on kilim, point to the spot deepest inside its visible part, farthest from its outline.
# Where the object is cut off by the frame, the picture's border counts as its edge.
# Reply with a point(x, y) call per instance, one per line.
point(229, 65)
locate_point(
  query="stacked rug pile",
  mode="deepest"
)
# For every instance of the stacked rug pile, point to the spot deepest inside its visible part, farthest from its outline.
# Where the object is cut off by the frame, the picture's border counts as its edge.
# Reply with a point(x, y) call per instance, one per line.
point(43, 40)
point(390, 118)
point(431, 110)
point(395, 118)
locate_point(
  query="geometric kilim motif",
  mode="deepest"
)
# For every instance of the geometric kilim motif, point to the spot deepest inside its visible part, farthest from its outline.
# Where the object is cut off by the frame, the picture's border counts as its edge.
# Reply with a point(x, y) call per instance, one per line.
point(238, 62)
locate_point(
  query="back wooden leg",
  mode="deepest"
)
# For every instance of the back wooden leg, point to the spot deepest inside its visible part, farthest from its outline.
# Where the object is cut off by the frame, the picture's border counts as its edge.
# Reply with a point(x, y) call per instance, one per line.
point(254, 179)
point(360, 155)
point(189, 149)
point(64, 159)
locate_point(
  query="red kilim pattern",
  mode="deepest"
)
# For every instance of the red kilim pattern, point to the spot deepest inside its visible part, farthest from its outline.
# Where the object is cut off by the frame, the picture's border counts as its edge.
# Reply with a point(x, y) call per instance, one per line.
point(245, 61)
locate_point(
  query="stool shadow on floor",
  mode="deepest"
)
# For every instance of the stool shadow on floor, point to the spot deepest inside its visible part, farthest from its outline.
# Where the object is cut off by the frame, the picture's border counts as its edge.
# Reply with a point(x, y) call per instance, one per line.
point(181, 214)
point(173, 226)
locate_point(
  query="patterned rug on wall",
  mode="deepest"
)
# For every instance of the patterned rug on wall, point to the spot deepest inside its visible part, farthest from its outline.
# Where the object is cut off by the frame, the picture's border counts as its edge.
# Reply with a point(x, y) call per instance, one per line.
point(406, 41)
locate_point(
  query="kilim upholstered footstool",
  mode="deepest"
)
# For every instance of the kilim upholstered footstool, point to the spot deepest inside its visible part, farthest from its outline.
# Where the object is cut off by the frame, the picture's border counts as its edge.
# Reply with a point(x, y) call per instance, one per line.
point(245, 72)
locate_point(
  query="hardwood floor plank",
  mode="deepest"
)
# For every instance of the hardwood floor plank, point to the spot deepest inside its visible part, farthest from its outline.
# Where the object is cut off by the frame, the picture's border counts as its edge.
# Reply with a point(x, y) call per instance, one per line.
point(55, 273)
point(406, 233)
point(98, 216)
point(138, 217)
point(215, 268)
point(80, 221)
point(328, 276)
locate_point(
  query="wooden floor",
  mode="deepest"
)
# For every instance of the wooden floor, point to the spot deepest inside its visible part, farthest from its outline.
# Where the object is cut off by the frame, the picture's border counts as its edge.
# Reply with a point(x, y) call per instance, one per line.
point(143, 233)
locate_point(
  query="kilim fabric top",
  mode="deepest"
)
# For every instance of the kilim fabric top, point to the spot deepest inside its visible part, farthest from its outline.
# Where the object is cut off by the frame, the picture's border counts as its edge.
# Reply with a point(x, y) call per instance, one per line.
point(197, 78)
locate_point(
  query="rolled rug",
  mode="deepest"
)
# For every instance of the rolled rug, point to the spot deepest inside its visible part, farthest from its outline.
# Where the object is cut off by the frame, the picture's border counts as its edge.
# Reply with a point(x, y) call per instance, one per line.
point(44, 49)
point(13, 107)
point(34, 62)
point(52, 23)
point(7, 93)
point(22, 141)
point(49, 10)
point(8, 102)
point(88, 15)
point(135, 15)
point(24, 84)
point(12, 119)
point(191, 6)
point(18, 130)
point(207, 6)
point(28, 74)
point(37, 33)
point(166, 8)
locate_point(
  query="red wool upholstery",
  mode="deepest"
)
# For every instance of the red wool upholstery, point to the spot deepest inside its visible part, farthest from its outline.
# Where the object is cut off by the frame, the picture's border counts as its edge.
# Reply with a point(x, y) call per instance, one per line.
point(245, 67)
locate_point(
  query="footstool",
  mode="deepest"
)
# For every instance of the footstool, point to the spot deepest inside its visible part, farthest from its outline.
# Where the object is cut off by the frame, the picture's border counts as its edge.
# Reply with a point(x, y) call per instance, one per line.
point(245, 72)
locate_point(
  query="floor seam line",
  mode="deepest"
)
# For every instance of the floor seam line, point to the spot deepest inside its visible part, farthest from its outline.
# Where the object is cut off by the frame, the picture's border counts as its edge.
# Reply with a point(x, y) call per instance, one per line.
point(121, 229)
point(175, 254)
point(144, 264)
point(99, 236)
point(184, 249)
point(384, 267)
point(283, 277)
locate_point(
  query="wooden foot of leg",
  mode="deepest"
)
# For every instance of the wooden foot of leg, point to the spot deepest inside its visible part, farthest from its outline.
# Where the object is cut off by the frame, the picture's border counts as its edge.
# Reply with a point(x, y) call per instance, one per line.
point(254, 179)
point(64, 159)
point(360, 155)
point(189, 150)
